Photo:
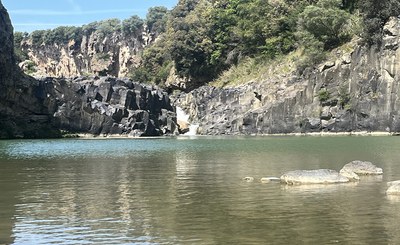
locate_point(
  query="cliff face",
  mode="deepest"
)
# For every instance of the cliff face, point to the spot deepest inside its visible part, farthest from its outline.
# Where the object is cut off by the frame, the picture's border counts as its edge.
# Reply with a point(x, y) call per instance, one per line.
point(109, 106)
point(32, 108)
point(359, 91)
point(7, 60)
point(20, 108)
point(96, 54)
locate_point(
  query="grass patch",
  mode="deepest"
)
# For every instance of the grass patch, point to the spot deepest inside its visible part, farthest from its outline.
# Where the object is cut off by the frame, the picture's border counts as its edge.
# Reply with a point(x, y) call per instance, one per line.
point(261, 68)
point(257, 69)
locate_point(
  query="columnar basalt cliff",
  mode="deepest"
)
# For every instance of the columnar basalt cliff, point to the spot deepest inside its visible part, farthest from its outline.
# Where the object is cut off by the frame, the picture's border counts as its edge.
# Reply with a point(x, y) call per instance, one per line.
point(109, 106)
point(31, 108)
point(359, 91)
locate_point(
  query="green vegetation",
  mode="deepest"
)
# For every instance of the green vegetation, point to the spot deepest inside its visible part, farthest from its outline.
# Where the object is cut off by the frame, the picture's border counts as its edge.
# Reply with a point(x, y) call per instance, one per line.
point(20, 55)
point(63, 34)
point(204, 38)
point(323, 95)
point(232, 41)
point(30, 67)
point(156, 19)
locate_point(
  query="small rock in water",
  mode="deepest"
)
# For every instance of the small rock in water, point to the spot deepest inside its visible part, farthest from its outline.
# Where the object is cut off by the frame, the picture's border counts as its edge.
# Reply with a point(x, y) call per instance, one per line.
point(362, 168)
point(394, 188)
point(397, 182)
point(270, 179)
point(248, 179)
point(318, 176)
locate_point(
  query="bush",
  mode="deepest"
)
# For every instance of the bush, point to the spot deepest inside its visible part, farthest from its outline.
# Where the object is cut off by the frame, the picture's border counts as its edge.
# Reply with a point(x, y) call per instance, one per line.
point(327, 23)
point(323, 95)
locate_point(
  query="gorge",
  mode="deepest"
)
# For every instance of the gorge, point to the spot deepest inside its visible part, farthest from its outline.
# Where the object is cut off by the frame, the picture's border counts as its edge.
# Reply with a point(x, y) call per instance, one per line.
point(355, 90)
point(41, 108)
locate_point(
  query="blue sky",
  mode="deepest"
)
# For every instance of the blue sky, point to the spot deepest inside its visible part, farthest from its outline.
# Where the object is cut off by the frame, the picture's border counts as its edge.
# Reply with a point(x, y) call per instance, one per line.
point(30, 15)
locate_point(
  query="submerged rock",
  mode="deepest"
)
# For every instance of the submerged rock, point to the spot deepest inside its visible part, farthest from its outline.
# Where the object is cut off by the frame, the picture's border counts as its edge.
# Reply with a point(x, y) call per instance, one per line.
point(270, 179)
point(361, 168)
point(319, 176)
point(248, 179)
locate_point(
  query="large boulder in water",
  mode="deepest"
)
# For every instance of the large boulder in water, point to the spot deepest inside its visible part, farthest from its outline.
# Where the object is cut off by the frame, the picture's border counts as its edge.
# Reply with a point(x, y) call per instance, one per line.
point(319, 176)
point(361, 168)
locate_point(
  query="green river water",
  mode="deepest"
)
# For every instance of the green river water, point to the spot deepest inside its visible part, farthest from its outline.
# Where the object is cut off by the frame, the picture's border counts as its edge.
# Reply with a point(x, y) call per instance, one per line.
point(190, 191)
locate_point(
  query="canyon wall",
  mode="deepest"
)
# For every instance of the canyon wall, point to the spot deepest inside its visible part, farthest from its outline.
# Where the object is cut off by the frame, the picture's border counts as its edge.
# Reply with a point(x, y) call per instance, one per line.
point(31, 108)
point(356, 91)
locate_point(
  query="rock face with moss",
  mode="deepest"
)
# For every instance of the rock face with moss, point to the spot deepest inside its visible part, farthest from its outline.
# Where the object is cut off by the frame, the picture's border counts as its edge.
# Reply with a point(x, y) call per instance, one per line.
point(357, 91)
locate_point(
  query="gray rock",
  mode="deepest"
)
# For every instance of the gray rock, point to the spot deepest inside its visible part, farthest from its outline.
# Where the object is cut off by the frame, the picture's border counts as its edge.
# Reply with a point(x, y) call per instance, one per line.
point(319, 176)
point(117, 113)
point(394, 188)
point(362, 168)
point(270, 179)
point(248, 179)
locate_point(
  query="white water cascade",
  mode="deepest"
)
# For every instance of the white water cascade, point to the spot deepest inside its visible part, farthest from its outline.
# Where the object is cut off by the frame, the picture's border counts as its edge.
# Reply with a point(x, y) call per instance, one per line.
point(183, 121)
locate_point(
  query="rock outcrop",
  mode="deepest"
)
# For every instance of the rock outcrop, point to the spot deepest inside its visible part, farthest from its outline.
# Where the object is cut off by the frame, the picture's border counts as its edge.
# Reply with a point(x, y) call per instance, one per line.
point(115, 54)
point(109, 106)
point(357, 91)
point(31, 108)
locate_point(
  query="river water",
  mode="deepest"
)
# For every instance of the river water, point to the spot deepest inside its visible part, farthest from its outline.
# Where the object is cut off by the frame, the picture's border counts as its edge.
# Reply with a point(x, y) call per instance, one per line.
point(190, 191)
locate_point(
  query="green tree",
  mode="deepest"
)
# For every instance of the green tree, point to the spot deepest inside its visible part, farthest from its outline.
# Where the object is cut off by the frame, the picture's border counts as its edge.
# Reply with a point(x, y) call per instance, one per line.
point(375, 15)
point(327, 22)
point(132, 26)
point(108, 27)
point(156, 19)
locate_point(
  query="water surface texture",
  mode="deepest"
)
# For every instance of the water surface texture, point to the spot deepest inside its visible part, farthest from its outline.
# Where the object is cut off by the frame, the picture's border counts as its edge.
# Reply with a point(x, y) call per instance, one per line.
point(189, 191)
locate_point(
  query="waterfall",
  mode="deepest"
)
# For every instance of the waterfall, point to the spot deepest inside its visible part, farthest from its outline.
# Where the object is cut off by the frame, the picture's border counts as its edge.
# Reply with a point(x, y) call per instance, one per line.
point(192, 129)
point(183, 121)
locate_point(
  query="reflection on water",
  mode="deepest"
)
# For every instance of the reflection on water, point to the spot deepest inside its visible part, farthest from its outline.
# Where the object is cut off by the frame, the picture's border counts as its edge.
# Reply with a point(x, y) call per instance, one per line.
point(189, 191)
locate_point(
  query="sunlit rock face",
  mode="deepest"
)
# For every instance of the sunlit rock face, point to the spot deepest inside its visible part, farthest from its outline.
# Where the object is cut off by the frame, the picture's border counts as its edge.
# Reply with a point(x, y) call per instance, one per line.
point(359, 90)
point(93, 54)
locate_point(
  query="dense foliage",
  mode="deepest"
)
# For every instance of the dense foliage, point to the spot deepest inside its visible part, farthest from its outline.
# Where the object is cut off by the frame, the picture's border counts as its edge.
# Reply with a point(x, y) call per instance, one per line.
point(133, 26)
point(205, 37)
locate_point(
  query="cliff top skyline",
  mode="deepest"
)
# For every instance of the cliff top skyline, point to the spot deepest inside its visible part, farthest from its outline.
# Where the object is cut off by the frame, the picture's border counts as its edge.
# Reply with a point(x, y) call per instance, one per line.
point(28, 16)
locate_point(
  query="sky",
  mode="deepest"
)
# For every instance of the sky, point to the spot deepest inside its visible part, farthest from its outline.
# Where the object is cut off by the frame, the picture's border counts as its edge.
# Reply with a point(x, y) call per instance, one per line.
point(30, 15)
